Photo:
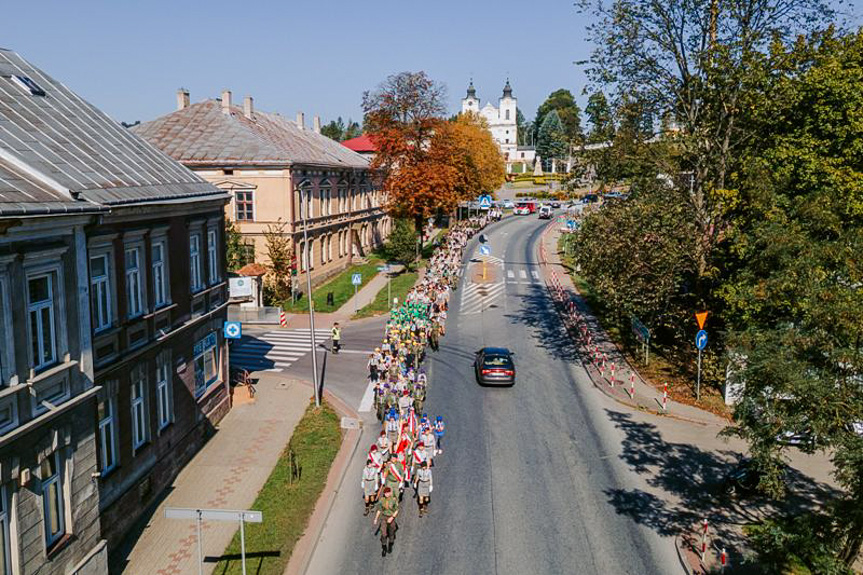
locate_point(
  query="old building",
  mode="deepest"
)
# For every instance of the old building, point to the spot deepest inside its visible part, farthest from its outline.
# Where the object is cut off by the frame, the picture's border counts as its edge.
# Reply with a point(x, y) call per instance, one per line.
point(267, 163)
point(112, 299)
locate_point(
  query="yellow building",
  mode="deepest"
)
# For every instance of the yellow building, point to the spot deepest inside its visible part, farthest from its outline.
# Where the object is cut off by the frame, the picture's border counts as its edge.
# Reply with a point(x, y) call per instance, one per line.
point(268, 163)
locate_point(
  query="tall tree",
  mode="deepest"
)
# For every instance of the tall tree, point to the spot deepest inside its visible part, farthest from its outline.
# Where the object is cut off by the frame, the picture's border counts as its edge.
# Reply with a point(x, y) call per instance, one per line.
point(405, 117)
point(599, 115)
point(279, 254)
point(552, 142)
point(568, 111)
point(334, 130)
point(703, 61)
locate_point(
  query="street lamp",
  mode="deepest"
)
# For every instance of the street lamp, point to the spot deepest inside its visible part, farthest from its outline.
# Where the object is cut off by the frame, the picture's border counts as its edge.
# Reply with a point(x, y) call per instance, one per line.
point(305, 196)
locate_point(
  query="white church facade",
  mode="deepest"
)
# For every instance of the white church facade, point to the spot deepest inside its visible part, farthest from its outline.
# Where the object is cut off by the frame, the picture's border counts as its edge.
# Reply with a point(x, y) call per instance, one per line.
point(502, 125)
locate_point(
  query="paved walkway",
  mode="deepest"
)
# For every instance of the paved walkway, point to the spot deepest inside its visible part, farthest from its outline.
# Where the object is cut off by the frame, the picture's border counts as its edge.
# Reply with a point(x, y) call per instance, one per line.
point(226, 474)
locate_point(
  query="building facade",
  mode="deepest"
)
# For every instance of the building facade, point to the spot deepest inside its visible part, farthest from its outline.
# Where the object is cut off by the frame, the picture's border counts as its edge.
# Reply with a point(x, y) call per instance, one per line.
point(272, 168)
point(502, 124)
point(112, 299)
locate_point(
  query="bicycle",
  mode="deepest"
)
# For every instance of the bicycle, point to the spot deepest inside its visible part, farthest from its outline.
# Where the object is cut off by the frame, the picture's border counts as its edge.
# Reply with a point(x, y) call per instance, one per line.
point(243, 377)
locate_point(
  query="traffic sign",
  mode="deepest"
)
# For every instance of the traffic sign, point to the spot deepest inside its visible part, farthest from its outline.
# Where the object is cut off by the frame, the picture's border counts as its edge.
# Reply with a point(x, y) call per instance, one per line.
point(233, 330)
point(485, 250)
point(701, 317)
point(356, 279)
point(485, 202)
point(701, 339)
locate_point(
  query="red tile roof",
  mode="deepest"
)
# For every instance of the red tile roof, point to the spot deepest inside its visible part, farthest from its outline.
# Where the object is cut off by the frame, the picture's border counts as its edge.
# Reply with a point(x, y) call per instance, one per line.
point(360, 144)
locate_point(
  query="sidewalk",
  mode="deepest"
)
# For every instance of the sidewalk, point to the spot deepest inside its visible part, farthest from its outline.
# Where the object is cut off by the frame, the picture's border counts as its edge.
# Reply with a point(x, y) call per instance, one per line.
point(598, 353)
point(226, 474)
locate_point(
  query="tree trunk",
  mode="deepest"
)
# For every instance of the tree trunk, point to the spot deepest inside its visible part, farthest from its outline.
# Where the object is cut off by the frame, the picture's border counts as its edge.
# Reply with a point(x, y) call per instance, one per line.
point(418, 224)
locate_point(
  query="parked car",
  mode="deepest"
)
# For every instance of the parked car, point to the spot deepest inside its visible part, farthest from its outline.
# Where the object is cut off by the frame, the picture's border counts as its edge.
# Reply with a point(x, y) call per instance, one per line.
point(545, 212)
point(555, 204)
point(494, 366)
point(508, 204)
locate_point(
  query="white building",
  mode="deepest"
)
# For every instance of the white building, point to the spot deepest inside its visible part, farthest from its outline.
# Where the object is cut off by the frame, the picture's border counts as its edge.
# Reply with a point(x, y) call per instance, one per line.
point(502, 124)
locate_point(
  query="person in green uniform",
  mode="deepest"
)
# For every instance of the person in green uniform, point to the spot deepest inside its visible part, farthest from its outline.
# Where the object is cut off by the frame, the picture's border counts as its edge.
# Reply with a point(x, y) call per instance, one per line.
point(388, 507)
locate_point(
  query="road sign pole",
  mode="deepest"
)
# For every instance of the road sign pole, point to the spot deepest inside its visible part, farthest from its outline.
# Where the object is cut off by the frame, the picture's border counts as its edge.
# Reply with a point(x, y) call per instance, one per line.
point(355, 298)
point(698, 381)
point(243, 544)
point(389, 289)
point(198, 522)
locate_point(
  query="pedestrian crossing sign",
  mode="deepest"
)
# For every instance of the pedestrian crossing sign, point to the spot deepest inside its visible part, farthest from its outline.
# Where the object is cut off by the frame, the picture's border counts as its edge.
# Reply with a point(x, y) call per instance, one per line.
point(484, 202)
point(356, 279)
point(485, 250)
point(233, 330)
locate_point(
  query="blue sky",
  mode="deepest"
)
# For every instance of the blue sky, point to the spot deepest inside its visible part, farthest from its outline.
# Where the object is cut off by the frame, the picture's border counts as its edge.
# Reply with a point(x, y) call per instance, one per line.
point(129, 57)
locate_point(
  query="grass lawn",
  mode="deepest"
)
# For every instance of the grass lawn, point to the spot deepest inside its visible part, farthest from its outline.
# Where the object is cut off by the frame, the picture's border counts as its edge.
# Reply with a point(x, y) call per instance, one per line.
point(340, 285)
point(400, 285)
point(287, 505)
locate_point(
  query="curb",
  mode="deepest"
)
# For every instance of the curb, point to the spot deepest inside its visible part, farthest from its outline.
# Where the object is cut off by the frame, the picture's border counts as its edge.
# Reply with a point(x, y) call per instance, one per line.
point(544, 261)
point(684, 563)
point(303, 551)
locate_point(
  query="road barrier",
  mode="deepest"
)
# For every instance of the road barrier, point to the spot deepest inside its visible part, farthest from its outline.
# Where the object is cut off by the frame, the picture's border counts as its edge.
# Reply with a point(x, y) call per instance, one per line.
point(632, 386)
point(665, 404)
point(283, 319)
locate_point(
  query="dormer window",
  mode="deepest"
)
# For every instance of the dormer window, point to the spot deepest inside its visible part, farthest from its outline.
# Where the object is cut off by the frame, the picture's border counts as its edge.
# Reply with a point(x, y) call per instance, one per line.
point(29, 85)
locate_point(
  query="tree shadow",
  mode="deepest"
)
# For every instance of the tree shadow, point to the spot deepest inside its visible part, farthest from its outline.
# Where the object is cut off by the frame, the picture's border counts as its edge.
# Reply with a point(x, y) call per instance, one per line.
point(686, 488)
point(538, 313)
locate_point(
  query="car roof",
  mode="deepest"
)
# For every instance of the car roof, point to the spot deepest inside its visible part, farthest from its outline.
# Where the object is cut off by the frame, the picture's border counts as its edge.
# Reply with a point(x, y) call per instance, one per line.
point(495, 351)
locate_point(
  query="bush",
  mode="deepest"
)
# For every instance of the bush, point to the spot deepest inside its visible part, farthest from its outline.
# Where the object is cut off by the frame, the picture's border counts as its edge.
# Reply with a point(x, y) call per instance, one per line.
point(401, 246)
point(798, 545)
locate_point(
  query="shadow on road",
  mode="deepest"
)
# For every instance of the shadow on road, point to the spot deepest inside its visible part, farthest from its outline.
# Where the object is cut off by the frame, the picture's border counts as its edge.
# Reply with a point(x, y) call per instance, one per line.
point(687, 488)
point(539, 314)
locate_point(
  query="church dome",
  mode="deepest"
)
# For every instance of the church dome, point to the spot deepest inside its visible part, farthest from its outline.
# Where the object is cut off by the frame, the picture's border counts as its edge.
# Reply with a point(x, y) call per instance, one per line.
point(507, 90)
point(471, 91)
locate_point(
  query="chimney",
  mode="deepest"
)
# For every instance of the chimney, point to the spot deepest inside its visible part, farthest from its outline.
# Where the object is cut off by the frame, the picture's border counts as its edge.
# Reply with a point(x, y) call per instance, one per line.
point(317, 124)
point(301, 121)
point(182, 99)
point(226, 102)
point(248, 107)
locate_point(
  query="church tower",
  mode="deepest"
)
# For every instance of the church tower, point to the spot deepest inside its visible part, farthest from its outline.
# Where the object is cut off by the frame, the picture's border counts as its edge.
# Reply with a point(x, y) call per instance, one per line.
point(470, 103)
point(507, 105)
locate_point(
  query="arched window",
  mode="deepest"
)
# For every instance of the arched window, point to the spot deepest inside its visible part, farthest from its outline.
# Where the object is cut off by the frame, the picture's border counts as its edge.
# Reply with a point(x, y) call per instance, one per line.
point(302, 256)
point(507, 114)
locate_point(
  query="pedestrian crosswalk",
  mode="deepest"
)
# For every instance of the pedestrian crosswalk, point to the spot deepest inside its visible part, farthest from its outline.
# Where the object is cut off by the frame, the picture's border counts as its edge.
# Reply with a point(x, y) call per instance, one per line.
point(522, 276)
point(274, 350)
point(477, 297)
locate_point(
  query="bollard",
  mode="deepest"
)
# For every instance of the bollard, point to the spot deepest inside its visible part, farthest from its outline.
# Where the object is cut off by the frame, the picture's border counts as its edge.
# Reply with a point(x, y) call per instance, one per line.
point(283, 319)
point(665, 408)
point(612, 374)
point(632, 385)
point(723, 559)
point(704, 539)
point(703, 550)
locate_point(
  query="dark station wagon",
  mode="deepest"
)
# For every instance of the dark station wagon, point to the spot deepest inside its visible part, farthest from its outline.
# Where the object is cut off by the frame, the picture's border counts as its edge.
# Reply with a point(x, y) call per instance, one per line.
point(494, 366)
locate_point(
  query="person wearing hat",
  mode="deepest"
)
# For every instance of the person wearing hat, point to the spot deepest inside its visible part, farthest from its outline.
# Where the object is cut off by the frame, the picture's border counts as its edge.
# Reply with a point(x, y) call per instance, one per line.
point(419, 396)
point(388, 507)
point(370, 484)
point(439, 430)
point(424, 487)
point(405, 402)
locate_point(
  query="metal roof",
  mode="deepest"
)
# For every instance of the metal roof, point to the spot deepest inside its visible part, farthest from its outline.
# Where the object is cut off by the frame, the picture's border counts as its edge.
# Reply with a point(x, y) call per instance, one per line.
point(204, 134)
point(58, 153)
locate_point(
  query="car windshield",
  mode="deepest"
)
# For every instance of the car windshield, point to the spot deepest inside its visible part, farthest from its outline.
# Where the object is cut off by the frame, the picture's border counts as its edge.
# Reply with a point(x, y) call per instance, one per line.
point(497, 361)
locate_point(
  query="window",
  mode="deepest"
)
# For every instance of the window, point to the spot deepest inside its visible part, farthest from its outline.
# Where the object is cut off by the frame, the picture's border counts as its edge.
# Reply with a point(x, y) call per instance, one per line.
point(164, 403)
point(8, 417)
point(213, 256)
point(40, 299)
point(107, 434)
point(302, 257)
point(195, 261)
point(206, 364)
point(100, 292)
point(323, 250)
point(245, 205)
point(160, 281)
point(330, 248)
point(5, 537)
point(139, 406)
point(29, 85)
point(52, 498)
point(311, 254)
point(507, 117)
point(133, 283)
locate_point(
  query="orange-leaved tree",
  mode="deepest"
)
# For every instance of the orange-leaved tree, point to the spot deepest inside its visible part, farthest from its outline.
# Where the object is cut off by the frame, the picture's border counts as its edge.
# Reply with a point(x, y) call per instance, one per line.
point(476, 157)
point(404, 118)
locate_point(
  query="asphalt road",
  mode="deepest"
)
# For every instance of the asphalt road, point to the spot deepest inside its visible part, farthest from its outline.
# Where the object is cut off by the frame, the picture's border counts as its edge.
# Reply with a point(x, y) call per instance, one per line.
point(532, 476)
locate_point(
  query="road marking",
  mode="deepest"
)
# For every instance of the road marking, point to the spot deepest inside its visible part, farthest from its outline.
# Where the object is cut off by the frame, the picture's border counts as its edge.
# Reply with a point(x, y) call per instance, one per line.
point(510, 274)
point(368, 398)
point(535, 274)
point(341, 351)
point(522, 274)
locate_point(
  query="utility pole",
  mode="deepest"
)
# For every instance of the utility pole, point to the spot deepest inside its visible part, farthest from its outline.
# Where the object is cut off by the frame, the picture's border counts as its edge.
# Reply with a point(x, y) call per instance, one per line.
point(305, 196)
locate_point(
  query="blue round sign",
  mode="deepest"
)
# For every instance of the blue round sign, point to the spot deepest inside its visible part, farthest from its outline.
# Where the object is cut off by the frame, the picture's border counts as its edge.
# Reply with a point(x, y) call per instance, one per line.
point(701, 339)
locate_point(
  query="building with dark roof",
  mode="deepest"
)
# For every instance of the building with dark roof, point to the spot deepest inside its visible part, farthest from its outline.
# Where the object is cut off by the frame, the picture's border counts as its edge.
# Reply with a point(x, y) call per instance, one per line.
point(112, 298)
point(268, 163)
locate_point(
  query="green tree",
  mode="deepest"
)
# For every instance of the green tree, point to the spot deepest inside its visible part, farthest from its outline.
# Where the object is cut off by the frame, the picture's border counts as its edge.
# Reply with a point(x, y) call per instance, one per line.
point(236, 253)
point(600, 117)
point(568, 111)
point(279, 254)
point(401, 243)
point(551, 141)
point(794, 303)
point(339, 131)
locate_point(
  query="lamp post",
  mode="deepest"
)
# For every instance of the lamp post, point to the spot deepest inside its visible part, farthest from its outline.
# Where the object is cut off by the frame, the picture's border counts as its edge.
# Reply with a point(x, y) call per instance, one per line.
point(305, 196)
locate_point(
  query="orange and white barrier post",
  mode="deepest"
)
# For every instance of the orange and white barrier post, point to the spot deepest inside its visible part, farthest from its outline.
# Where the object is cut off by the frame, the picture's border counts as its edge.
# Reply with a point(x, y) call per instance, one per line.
point(283, 319)
point(612, 374)
point(665, 408)
point(723, 559)
point(632, 385)
point(704, 529)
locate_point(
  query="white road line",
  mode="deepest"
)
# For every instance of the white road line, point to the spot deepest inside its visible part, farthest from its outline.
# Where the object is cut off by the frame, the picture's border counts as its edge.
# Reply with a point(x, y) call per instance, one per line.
point(535, 274)
point(368, 398)
point(522, 274)
point(357, 351)
point(510, 274)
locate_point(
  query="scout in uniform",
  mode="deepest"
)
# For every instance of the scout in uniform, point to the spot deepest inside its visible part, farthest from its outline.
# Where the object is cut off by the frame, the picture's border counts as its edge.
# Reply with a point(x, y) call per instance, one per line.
point(370, 484)
point(388, 507)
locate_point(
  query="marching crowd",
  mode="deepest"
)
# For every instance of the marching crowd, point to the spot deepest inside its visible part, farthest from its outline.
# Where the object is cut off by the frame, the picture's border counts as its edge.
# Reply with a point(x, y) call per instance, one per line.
point(403, 455)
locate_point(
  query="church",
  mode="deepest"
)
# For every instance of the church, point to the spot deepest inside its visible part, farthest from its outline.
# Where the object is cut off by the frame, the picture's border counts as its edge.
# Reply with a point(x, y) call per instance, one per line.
point(502, 125)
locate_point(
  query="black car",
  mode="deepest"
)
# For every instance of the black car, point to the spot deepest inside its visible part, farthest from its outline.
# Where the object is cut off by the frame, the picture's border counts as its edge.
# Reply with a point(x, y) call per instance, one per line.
point(494, 366)
point(555, 205)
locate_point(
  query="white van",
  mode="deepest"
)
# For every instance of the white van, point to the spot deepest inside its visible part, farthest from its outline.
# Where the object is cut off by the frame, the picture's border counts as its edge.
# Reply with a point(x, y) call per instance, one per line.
point(545, 212)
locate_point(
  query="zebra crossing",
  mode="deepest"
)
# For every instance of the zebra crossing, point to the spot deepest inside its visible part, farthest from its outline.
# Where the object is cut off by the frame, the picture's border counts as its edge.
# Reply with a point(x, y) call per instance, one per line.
point(522, 276)
point(274, 350)
point(476, 297)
